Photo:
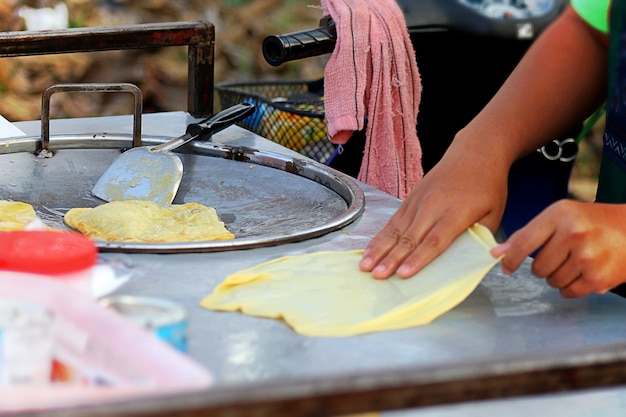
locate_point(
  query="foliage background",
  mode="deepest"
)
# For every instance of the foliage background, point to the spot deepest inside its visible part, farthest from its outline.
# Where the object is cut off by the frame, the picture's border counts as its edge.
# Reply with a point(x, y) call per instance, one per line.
point(241, 26)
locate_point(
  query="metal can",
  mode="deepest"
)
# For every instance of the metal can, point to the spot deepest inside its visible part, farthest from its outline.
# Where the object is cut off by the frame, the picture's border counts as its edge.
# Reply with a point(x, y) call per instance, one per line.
point(25, 343)
point(167, 319)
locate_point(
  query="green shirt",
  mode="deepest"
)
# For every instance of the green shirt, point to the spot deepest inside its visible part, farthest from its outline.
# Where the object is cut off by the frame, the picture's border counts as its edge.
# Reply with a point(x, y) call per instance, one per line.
point(595, 12)
point(608, 17)
point(612, 180)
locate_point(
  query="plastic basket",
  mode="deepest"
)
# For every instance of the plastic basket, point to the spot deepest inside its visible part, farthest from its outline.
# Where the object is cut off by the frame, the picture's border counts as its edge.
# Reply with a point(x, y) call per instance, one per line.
point(290, 113)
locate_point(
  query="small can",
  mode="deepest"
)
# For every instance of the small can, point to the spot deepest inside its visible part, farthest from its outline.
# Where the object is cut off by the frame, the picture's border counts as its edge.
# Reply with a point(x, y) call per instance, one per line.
point(167, 319)
point(25, 343)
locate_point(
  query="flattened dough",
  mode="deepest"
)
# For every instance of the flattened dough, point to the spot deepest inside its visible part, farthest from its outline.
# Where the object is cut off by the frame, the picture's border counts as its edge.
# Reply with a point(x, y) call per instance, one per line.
point(146, 221)
point(17, 215)
point(325, 294)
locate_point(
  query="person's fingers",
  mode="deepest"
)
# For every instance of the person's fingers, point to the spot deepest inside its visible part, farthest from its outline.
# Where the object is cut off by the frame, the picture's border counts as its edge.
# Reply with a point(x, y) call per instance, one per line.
point(554, 261)
point(412, 248)
point(434, 242)
point(389, 250)
point(524, 242)
point(562, 276)
point(379, 247)
point(438, 239)
point(400, 238)
point(585, 284)
point(386, 239)
point(585, 273)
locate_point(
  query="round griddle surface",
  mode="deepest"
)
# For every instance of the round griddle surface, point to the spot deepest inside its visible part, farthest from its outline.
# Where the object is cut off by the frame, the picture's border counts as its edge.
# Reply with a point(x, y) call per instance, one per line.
point(263, 198)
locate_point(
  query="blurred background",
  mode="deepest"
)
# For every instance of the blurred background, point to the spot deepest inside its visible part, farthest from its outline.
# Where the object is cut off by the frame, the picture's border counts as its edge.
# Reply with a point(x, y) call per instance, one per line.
point(161, 74)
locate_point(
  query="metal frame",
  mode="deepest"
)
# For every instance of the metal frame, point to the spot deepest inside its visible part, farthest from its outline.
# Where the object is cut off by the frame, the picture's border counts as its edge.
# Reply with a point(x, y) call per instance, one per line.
point(198, 35)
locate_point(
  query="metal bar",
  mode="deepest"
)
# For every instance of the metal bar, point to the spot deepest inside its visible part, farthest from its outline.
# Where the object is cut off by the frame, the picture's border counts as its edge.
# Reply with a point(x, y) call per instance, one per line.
point(199, 36)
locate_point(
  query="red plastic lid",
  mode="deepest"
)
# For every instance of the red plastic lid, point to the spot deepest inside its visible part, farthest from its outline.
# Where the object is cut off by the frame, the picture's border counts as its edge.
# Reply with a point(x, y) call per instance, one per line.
point(44, 252)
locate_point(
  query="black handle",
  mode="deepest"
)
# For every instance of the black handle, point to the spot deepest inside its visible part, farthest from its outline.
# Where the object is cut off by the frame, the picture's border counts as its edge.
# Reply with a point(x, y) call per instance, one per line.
point(278, 49)
point(220, 121)
point(420, 16)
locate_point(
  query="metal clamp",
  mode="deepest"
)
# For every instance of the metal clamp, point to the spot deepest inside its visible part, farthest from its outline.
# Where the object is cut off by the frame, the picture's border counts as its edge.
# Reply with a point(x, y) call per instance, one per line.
point(560, 150)
point(89, 88)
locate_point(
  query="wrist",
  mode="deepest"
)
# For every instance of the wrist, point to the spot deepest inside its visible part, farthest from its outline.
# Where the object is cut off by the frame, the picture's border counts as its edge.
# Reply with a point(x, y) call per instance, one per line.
point(487, 151)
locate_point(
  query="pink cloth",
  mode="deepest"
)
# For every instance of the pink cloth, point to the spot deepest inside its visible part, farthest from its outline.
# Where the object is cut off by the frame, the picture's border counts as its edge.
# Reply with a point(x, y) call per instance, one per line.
point(373, 73)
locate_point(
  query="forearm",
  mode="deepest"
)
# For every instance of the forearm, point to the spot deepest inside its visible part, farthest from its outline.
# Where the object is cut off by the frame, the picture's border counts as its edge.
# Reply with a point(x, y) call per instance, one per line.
point(558, 83)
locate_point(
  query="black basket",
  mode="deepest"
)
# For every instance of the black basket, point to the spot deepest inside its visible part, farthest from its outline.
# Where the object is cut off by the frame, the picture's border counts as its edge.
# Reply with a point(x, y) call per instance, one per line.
point(290, 113)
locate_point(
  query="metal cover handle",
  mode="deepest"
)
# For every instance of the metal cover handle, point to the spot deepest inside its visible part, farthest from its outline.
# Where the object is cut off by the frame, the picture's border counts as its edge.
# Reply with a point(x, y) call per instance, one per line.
point(90, 88)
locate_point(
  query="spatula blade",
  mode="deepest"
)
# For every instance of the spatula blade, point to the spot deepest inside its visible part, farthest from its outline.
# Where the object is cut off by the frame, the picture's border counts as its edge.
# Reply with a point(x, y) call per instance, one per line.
point(139, 174)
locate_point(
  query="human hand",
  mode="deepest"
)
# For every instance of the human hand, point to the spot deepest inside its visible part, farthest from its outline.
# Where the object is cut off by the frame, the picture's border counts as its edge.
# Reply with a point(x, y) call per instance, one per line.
point(457, 193)
point(583, 247)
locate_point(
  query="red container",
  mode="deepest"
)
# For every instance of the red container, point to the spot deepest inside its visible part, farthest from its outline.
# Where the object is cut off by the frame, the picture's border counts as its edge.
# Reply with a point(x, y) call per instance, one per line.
point(65, 256)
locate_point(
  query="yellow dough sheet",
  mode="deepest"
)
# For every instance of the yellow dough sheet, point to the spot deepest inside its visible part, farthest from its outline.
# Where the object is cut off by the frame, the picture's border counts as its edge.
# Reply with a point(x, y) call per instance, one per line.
point(325, 294)
point(145, 221)
point(17, 215)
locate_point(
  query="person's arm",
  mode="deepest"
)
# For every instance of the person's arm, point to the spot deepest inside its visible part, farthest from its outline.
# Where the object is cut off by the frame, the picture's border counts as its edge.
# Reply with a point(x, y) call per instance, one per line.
point(558, 83)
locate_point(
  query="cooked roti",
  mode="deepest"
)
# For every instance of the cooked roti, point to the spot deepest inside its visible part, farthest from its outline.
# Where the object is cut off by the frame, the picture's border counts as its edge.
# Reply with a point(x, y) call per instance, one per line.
point(145, 221)
point(15, 215)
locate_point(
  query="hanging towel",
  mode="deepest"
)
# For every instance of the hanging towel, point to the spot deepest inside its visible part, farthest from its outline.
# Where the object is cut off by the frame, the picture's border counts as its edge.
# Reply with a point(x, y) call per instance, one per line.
point(372, 74)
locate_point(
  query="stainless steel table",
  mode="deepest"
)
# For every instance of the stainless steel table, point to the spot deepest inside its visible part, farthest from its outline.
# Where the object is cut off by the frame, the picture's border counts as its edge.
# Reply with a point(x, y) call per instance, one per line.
point(513, 336)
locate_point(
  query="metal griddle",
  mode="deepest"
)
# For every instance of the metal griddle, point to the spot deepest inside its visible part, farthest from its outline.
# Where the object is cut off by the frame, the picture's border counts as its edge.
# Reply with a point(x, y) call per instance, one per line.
point(263, 198)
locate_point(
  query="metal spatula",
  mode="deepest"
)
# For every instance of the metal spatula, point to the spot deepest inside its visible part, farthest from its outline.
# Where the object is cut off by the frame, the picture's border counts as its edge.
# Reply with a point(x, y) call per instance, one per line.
point(154, 172)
